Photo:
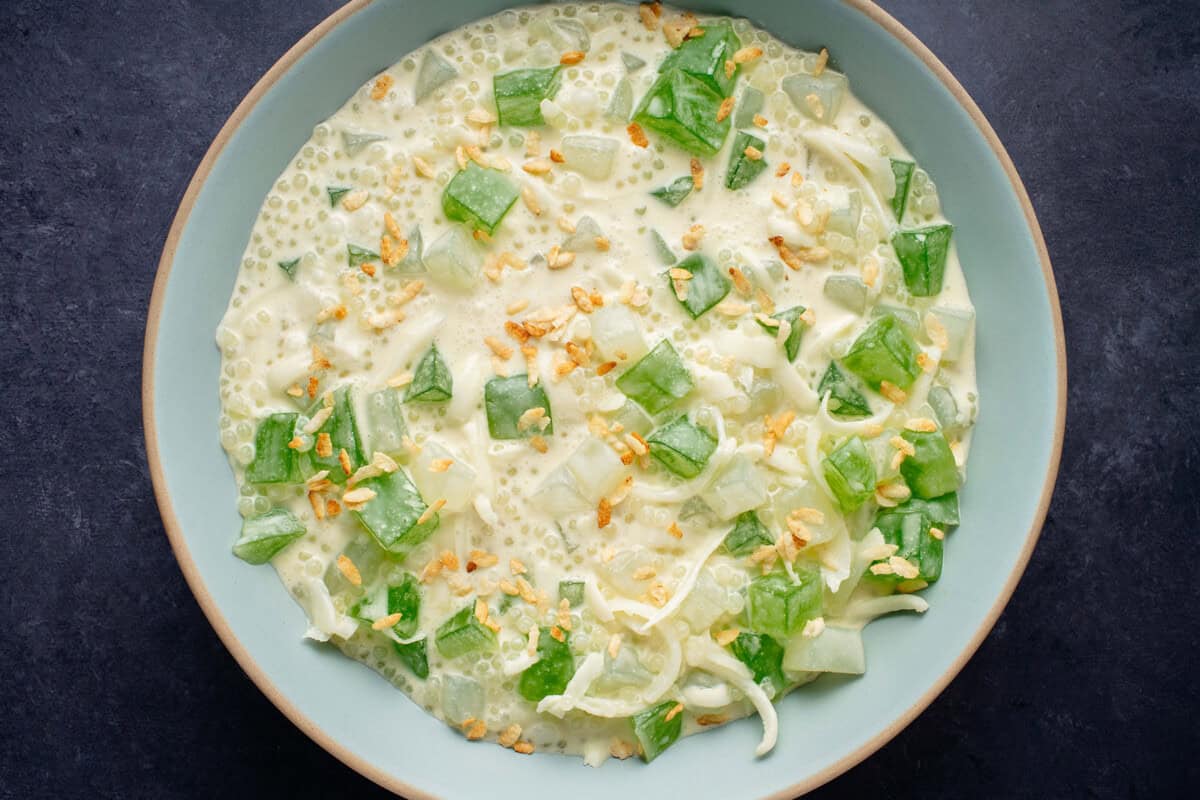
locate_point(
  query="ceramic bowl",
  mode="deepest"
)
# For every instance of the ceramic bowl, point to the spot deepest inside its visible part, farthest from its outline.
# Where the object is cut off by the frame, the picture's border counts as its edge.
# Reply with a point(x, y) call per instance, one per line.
point(826, 727)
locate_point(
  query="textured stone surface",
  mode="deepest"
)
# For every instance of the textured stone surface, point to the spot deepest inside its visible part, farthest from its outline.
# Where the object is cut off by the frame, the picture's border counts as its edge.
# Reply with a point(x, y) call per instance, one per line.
point(112, 684)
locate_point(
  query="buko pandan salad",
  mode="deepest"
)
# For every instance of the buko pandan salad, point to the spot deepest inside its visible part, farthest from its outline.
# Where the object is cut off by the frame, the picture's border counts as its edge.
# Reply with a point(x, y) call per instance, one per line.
point(596, 373)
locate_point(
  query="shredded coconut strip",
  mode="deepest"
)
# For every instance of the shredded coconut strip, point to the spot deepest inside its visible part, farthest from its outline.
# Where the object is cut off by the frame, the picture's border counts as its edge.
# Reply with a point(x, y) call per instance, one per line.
point(717, 696)
point(860, 612)
point(703, 653)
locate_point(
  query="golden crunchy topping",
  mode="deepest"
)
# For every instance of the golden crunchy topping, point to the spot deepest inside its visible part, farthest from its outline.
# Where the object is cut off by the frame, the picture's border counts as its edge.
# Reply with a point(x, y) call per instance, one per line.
point(921, 425)
point(645, 573)
point(603, 513)
point(903, 567)
point(557, 258)
point(937, 533)
point(725, 109)
point(344, 460)
point(892, 392)
point(657, 595)
point(753, 153)
point(358, 497)
point(557, 634)
point(324, 445)
point(386, 622)
point(538, 166)
point(650, 12)
point(531, 367)
point(637, 135)
point(510, 735)
point(422, 167)
point(539, 444)
point(571, 57)
point(747, 54)
point(937, 332)
point(691, 239)
point(606, 367)
point(516, 331)
point(353, 201)
point(531, 202)
point(760, 120)
point(675, 711)
point(815, 105)
point(498, 347)
point(730, 67)
point(621, 749)
point(712, 719)
point(675, 530)
point(524, 748)
point(582, 299)
point(726, 636)
point(822, 60)
point(474, 729)
point(382, 85)
point(349, 570)
point(428, 513)
point(697, 170)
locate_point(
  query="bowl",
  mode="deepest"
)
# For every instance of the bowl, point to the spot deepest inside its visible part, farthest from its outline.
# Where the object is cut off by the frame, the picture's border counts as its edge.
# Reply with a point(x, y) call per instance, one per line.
point(825, 728)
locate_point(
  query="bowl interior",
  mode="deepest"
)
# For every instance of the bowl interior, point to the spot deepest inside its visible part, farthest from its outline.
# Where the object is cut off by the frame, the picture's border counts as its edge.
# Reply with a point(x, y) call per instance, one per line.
point(825, 727)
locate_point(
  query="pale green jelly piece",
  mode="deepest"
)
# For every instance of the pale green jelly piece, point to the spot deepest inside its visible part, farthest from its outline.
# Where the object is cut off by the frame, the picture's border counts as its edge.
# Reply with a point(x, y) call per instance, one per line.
point(848, 291)
point(829, 88)
point(355, 143)
point(454, 260)
point(834, 650)
point(434, 72)
point(621, 104)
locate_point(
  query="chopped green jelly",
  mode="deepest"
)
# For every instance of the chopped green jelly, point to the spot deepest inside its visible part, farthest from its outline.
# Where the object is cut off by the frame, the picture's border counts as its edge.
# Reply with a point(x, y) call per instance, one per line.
point(336, 193)
point(683, 109)
point(844, 399)
point(415, 656)
point(505, 400)
point(264, 535)
point(764, 657)
point(704, 57)
point(479, 197)
point(658, 380)
point(654, 731)
point(850, 473)
point(274, 461)
point(931, 471)
point(910, 532)
point(463, 633)
point(519, 95)
point(432, 382)
point(902, 171)
point(743, 168)
point(342, 427)
point(682, 447)
point(707, 286)
point(572, 592)
point(922, 253)
point(748, 534)
point(393, 516)
point(404, 598)
point(673, 193)
point(357, 256)
point(289, 267)
point(552, 671)
point(885, 351)
point(942, 511)
point(777, 607)
point(791, 345)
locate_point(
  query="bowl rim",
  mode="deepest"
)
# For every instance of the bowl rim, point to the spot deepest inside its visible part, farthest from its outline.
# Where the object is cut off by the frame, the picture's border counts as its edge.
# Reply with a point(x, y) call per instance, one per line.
point(310, 728)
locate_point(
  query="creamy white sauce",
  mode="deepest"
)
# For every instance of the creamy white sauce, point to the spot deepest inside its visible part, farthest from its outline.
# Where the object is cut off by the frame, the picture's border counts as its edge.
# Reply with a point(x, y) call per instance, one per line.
point(270, 328)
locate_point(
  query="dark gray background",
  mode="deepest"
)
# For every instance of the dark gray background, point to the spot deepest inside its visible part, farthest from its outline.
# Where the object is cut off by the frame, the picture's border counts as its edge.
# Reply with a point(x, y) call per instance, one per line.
point(112, 684)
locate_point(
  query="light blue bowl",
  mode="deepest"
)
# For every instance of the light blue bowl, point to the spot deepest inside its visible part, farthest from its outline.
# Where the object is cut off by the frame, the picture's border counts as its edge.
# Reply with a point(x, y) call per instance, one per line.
point(825, 728)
